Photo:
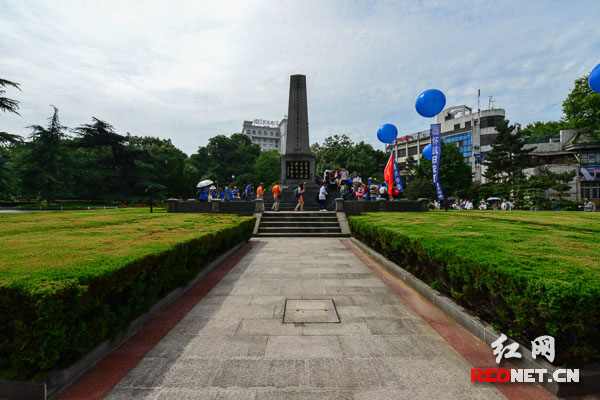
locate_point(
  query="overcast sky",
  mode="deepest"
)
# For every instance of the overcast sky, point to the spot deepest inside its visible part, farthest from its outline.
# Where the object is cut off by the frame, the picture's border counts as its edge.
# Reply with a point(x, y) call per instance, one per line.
point(189, 70)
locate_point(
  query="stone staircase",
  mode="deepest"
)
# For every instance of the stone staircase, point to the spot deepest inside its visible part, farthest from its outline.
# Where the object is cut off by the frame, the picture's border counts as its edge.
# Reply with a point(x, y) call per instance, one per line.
point(299, 224)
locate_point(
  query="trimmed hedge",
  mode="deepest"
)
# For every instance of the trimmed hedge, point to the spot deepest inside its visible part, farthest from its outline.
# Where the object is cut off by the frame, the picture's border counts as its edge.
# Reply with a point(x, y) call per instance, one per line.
point(505, 293)
point(55, 322)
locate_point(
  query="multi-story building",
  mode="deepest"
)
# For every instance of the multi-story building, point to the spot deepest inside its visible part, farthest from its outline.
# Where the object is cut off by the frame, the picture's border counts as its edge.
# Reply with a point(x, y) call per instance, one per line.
point(269, 135)
point(472, 132)
point(571, 151)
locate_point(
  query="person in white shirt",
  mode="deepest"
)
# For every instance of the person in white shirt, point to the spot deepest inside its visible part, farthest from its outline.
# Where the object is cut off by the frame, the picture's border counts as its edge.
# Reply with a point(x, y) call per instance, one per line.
point(323, 198)
point(588, 205)
point(482, 205)
point(356, 182)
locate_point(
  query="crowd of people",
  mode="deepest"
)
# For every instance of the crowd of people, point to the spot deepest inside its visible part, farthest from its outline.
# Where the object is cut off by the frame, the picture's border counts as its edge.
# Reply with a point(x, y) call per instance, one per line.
point(353, 187)
point(331, 183)
point(466, 204)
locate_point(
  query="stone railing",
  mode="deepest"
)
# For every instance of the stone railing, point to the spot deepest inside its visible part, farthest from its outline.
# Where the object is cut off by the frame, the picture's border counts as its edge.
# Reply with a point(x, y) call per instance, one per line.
point(349, 207)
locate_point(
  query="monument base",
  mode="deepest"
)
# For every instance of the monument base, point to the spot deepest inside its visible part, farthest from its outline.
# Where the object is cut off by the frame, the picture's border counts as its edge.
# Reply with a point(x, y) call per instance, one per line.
point(297, 169)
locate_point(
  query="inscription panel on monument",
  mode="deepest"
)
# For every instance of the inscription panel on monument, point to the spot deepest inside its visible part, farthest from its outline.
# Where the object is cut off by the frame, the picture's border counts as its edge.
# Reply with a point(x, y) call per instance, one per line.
point(297, 170)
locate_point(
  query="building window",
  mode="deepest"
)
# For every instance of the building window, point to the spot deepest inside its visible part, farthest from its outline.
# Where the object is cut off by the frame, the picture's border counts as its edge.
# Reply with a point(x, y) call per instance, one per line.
point(590, 158)
point(402, 152)
point(412, 151)
point(591, 190)
point(467, 124)
point(456, 126)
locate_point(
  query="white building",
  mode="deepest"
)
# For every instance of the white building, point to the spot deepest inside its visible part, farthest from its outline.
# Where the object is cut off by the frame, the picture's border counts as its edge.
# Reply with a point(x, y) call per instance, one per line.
point(269, 135)
point(472, 132)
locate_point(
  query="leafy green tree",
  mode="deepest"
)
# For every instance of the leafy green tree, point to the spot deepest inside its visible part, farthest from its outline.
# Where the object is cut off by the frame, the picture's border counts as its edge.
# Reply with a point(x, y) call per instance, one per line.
point(226, 159)
point(6, 177)
point(167, 170)
point(455, 176)
point(546, 129)
point(46, 161)
point(109, 170)
point(268, 167)
point(536, 187)
point(581, 108)
point(420, 188)
point(506, 160)
point(339, 151)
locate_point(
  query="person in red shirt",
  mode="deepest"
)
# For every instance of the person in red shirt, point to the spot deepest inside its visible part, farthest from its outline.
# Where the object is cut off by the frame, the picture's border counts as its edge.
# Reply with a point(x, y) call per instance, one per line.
point(276, 196)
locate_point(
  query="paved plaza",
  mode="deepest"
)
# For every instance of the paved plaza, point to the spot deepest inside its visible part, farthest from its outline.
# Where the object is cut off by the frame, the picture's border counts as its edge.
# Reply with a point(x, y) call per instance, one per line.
point(234, 343)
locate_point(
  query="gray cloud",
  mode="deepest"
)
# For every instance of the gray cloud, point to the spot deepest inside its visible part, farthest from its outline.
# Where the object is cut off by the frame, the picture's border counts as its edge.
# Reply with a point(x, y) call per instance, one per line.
point(191, 70)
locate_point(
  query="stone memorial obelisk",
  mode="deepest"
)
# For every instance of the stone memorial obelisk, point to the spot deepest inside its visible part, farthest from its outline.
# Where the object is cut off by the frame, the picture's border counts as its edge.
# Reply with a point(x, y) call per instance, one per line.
point(297, 164)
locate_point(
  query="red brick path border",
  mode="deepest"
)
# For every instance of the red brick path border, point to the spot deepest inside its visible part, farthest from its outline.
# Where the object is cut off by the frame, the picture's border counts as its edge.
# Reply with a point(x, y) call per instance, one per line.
point(473, 350)
point(102, 377)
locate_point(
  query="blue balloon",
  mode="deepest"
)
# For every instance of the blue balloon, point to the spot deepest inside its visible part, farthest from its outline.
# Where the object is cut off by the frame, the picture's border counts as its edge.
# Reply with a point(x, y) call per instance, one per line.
point(594, 79)
point(427, 152)
point(430, 103)
point(387, 133)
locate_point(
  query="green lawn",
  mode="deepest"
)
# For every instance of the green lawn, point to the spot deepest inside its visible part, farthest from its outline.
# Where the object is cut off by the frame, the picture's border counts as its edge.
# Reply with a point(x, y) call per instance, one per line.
point(557, 245)
point(42, 246)
point(528, 273)
point(70, 280)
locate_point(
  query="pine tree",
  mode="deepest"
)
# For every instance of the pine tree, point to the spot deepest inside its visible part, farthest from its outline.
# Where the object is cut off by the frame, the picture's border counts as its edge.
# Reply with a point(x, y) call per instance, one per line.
point(45, 163)
point(506, 160)
point(8, 105)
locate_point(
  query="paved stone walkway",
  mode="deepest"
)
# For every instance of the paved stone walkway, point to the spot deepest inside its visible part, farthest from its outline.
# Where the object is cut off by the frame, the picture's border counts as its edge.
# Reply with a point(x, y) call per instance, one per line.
point(234, 345)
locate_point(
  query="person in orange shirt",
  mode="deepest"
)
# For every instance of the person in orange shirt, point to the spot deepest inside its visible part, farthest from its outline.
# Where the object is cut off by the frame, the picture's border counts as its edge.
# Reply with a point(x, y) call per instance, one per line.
point(276, 196)
point(260, 191)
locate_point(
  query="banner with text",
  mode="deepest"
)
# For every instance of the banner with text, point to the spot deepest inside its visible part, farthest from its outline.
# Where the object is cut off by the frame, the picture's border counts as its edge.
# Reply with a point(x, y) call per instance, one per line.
point(436, 152)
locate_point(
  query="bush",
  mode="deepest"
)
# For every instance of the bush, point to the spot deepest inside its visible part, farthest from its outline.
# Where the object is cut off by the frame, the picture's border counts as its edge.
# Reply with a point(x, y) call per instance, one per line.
point(524, 302)
point(52, 323)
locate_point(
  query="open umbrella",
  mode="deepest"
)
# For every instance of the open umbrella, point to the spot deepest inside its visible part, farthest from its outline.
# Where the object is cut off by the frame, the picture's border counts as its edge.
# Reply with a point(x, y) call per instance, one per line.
point(494, 199)
point(204, 183)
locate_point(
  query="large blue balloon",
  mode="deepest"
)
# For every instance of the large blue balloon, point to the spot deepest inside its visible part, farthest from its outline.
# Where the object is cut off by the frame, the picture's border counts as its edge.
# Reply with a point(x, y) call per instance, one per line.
point(387, 133)
point(430, 103)
point(594, 79)
point(427, 152)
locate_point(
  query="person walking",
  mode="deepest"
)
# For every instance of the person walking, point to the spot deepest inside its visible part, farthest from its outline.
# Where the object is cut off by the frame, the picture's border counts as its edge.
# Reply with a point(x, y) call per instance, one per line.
point(300, 197)
point(228, 194)
point(260, 191)
point(248, 192)
point(276, 196)
point(588, 205)
point(323, 198)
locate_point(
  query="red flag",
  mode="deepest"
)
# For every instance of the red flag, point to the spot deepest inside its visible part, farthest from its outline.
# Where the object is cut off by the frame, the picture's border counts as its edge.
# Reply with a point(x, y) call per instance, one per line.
point(388, 175)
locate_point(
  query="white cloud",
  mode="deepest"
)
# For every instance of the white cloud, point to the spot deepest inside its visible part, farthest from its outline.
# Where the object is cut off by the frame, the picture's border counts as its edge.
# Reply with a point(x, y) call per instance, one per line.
point(189, 70)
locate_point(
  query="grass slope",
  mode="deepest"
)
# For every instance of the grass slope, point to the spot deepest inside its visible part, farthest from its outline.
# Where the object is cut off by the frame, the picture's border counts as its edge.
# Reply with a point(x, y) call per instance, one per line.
point(530, 273)
point(45, 246)
point(70, 280)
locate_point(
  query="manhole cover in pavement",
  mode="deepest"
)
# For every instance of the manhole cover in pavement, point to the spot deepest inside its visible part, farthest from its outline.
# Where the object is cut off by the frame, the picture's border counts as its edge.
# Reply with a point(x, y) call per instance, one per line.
point(310, 311)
